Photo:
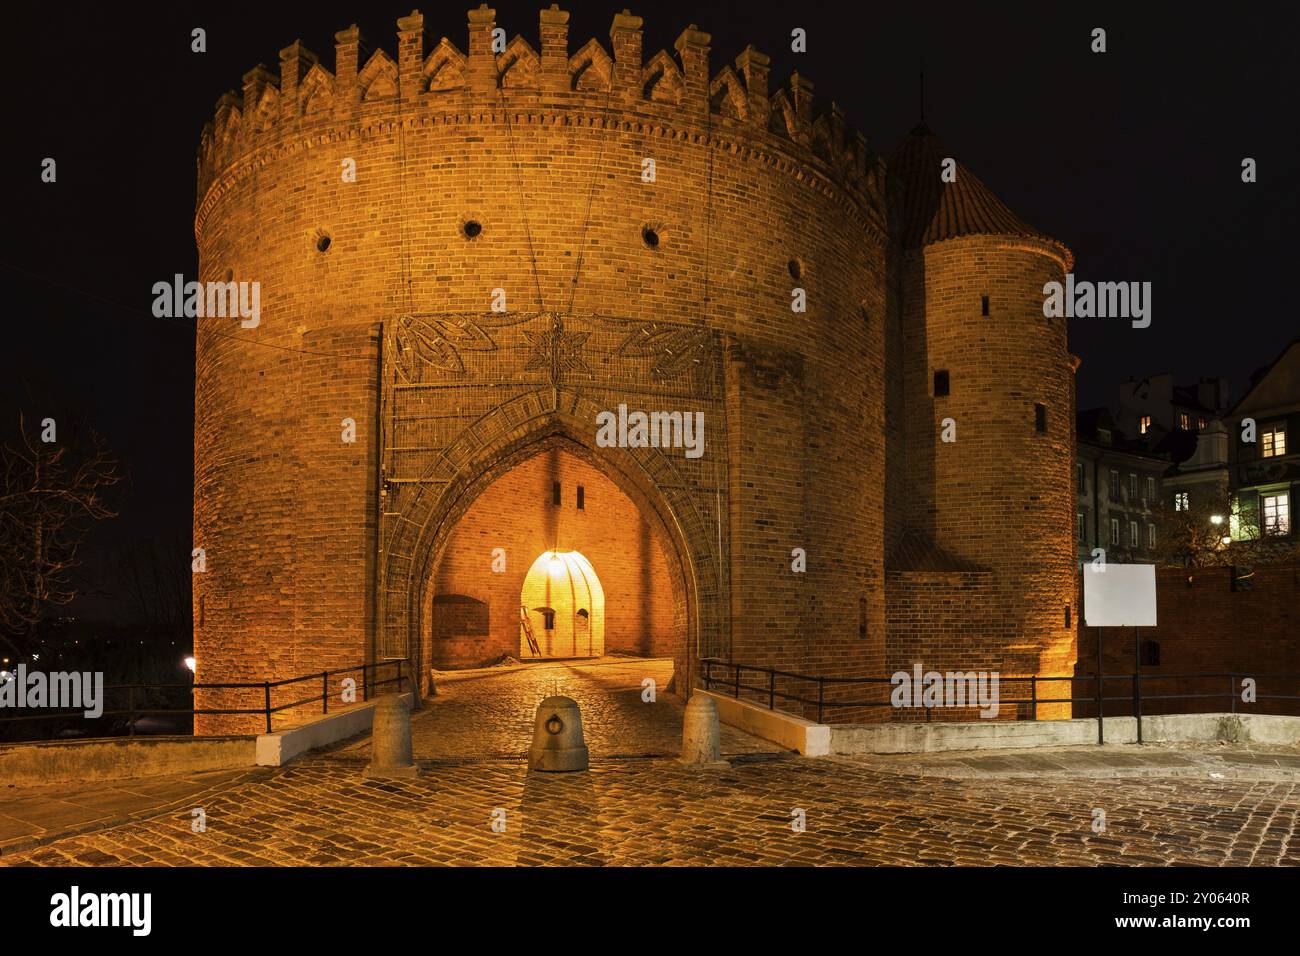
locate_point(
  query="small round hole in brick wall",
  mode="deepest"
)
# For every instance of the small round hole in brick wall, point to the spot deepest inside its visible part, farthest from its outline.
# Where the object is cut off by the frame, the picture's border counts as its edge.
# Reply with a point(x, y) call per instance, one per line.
point(472, 229)
point(796, 269)
point(322, 243)
point(650, 236)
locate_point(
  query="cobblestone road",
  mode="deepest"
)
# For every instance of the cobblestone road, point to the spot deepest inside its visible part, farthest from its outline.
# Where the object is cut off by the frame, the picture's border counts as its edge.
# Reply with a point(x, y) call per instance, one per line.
point(491, 714)
point(1162, 806)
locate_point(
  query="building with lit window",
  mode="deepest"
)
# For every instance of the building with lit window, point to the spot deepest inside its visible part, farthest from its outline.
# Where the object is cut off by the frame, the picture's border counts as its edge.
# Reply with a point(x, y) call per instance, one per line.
point(1155, 406)
point(1184, 424)
point(1266, 470)
point(1118, 486)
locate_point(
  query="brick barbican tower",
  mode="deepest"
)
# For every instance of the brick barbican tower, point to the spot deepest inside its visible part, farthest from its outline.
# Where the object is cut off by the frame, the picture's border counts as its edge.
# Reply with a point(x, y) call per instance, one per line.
point(464, 258)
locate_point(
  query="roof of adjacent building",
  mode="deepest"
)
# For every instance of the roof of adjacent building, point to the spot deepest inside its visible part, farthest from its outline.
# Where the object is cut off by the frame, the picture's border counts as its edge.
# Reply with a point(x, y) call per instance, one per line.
point(934, 210)
point(1089, 423)
point(1186, 396)
point(1276, 384)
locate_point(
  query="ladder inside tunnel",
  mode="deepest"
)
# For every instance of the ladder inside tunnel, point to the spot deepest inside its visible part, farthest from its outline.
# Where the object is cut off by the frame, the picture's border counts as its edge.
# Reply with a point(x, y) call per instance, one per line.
point(528, 631)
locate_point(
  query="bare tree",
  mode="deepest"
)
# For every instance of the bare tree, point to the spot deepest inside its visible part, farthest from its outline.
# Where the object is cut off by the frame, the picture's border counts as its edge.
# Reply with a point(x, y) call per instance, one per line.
point(152, 585)
point(1212, 530)
point(51, 495)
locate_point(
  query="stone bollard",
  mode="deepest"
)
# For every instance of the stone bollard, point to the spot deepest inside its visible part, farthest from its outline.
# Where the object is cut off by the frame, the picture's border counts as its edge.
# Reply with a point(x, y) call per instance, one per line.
point(557, 737)
point(701, 733)
point(390, 742)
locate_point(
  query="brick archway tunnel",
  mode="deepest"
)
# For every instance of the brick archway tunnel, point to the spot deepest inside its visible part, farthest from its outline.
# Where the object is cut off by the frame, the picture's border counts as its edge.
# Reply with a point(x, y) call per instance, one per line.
point(552, 501)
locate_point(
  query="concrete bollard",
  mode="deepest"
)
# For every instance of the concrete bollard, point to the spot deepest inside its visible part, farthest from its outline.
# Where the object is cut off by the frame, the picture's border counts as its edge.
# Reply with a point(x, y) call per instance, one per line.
point(390, 741)
point(558, 745)
point(701, 733)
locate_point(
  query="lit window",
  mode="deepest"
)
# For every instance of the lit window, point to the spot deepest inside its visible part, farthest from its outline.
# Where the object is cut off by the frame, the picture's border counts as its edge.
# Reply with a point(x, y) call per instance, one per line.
point(1133, 540)
point(1114, 531)
point(1151, 536)
point(1277, 513)
point(1180, 501)
point(1184, 421)
point(1201, 424)
point(1273, 441)
point(1144, 424)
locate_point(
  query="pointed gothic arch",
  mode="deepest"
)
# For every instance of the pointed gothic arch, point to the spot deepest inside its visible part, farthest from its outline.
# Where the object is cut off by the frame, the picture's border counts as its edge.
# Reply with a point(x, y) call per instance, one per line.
point(647, 476)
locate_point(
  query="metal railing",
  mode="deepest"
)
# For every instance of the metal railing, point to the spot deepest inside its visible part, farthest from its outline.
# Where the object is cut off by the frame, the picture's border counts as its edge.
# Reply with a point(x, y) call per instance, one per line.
point(734, 681)
point(135, 691)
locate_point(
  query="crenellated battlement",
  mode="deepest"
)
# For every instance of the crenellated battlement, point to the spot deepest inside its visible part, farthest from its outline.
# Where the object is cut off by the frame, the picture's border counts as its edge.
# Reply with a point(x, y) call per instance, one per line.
point(668, 91)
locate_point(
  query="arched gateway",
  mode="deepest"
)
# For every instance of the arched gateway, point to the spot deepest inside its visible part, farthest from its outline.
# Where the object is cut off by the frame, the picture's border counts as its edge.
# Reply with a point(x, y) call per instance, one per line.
point(430, 482)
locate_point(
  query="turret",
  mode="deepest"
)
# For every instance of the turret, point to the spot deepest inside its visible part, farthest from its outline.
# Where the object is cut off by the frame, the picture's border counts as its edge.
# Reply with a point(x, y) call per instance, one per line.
point(987, 410)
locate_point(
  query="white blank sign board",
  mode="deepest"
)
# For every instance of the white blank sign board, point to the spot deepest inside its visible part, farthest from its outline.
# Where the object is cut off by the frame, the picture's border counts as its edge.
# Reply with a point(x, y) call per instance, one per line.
point(1123, 595)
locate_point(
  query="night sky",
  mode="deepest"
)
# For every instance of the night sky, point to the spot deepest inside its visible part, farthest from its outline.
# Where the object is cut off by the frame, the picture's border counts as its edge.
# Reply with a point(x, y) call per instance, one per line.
point(1132, 158)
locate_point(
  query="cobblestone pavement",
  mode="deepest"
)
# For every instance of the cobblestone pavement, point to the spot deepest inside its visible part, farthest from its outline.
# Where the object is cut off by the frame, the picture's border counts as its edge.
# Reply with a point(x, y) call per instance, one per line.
point(30, 816)
point(1163, 805)
point(859, 811)
point(490, 713)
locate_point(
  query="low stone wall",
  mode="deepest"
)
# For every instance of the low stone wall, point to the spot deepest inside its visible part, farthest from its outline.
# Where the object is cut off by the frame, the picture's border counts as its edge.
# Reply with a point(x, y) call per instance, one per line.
point(898, 738)
point(117, 758)
point(120, 758)
point(902, 737)
point(277, 749)
point(810, 739)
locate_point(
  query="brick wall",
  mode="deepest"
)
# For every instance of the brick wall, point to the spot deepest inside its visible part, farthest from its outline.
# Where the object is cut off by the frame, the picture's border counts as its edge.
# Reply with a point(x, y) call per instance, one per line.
point(1205, 627)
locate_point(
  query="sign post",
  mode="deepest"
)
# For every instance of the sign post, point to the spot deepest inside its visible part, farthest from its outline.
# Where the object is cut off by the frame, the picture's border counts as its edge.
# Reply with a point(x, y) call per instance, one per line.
point(1119, 595)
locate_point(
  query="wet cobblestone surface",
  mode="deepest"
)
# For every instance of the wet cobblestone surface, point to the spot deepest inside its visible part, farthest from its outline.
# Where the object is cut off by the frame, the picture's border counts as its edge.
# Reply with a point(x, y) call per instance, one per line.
point(1213, 806)
point(491, 714)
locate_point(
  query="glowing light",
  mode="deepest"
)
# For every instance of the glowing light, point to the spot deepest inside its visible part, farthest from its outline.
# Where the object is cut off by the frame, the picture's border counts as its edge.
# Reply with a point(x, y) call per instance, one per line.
point(1216, 519)
point(190, 663)
point(563, 607)
point(1227, 539)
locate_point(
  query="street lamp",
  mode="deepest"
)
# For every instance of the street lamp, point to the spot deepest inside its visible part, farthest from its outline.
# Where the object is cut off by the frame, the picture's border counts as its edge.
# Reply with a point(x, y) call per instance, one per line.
point(190, 662)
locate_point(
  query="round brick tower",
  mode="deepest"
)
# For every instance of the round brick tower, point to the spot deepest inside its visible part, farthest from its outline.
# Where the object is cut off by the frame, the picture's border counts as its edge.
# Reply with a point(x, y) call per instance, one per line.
point(462, 259)
point(988, 409)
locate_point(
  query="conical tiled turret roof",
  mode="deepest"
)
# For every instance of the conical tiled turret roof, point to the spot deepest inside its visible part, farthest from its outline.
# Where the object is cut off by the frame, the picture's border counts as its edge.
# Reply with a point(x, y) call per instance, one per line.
point(934, 210)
